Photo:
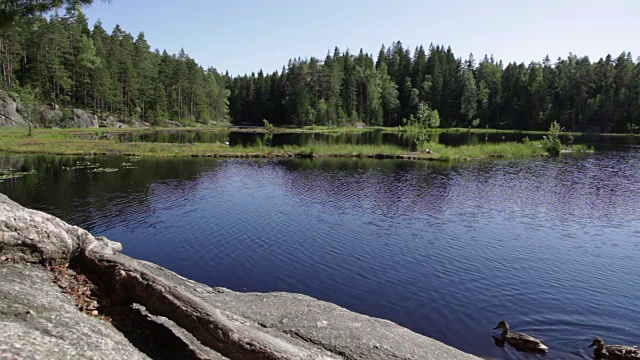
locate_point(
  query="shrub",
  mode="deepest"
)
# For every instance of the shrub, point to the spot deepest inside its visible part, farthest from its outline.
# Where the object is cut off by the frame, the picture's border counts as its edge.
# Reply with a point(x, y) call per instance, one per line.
point(422, 141)
point(552, 143)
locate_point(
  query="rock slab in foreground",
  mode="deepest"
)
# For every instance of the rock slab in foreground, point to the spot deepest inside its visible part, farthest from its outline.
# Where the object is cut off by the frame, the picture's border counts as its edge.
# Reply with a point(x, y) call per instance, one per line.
point(234, 325)
point(38, 321)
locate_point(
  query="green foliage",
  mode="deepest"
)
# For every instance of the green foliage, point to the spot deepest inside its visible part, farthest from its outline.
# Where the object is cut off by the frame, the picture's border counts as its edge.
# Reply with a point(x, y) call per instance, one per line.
point(267, 124)
point(345, 88)
point(469, 100)
point(61, 61)
point(62, 141)
point(428, 118)
point(422, 141)
point(551, 143)
point(12, 10)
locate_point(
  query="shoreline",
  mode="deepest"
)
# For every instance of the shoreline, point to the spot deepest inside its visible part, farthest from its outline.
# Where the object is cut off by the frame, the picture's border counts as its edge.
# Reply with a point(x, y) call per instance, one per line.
point(68, 142)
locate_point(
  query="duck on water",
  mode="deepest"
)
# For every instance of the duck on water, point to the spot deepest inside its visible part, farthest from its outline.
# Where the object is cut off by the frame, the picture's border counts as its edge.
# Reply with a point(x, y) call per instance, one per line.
point(614, 352)
point(520, 341)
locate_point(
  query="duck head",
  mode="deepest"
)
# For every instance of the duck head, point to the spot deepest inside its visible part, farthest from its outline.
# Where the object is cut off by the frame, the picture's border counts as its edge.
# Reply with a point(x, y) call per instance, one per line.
point(502, 325)
point(598, 343)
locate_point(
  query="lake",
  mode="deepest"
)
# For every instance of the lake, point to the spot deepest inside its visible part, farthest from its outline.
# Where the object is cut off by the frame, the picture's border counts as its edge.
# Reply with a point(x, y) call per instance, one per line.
point(549, 244)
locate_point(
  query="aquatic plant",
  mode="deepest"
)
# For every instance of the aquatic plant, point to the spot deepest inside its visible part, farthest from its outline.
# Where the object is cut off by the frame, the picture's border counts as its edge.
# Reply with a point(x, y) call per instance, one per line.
point(103, 170)
point(10, 173)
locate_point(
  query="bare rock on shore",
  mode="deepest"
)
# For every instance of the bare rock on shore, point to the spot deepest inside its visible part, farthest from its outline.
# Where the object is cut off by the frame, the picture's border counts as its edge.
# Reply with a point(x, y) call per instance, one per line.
point(35, 237)
point(153, 308)
point(82, 119)
point(38, 321)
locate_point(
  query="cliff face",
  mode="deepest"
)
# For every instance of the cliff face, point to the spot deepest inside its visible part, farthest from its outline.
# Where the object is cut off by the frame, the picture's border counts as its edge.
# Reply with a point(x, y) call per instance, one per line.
point(66, 294)
point(8, 111)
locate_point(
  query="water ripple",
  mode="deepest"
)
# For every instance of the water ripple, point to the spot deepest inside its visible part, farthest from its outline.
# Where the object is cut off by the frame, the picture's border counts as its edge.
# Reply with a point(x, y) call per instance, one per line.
point(547, 244)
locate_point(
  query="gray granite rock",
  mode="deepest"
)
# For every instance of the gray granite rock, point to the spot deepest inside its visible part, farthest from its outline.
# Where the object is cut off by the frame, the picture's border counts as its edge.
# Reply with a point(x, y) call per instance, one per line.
point(198, 321)
point(82, 119)
point(9, 115)
point(329, 326)
point(38, 321)
point(50, 116)
point(111, 122)
point(36, 237)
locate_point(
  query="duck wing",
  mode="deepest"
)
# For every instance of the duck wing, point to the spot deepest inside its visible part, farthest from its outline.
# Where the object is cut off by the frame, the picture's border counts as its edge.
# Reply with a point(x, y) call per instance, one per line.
point(622, 352)
point(525, 342)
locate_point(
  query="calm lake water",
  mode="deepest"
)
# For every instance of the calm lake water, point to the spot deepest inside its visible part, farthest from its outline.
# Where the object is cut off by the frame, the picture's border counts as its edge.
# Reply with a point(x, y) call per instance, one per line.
point(550, 245)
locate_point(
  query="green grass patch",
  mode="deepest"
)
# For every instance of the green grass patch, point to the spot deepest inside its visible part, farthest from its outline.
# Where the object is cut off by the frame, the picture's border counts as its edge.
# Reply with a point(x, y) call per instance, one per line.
point(345, 150)
point(66, 142)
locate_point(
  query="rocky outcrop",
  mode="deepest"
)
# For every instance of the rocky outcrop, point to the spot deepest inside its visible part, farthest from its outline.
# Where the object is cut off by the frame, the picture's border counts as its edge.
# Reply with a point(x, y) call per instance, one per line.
point(82, 119)
point(172, 123)
point(35, 237)
point(9, 115)
point(50, 116)
point(192, 319)
point(111, 122)
point(140, 124)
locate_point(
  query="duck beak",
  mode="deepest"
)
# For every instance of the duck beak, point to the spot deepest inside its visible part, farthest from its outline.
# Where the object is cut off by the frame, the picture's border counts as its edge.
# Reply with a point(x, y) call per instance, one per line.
point(496, 328)
point(592, 344)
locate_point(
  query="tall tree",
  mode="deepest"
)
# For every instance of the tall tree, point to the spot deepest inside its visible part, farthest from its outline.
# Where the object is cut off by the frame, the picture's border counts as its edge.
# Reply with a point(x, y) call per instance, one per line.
point(469, 100)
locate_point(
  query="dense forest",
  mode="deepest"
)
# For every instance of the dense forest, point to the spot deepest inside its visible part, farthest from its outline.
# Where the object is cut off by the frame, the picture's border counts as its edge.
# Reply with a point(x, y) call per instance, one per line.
point(395, 88)
point(59, 59)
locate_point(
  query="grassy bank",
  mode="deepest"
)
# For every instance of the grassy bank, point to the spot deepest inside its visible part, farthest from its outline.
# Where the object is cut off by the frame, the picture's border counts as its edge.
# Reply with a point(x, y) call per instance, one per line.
point(66, 142)
point(311, 129)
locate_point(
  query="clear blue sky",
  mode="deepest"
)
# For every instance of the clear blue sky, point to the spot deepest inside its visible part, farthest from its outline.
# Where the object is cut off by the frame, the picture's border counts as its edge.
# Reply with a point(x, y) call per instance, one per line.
point(243, 36)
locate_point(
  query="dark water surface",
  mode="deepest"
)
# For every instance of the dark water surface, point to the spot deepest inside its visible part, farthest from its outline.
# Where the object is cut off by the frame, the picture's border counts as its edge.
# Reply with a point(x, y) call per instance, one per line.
point(375, 137)
point(551, 245)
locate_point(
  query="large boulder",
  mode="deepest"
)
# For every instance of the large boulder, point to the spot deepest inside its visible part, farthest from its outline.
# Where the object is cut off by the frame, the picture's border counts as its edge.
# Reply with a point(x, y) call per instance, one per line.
point(111, 122)
point(82, 119)
point(140, 124)
point(35, 237)
point(8, 111)
point(172, 123)
point(198, 321)
point(50, 116)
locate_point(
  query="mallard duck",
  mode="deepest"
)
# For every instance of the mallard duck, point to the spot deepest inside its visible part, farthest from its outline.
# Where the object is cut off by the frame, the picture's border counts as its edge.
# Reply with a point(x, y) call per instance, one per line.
point(520, 341)
point(615, 352)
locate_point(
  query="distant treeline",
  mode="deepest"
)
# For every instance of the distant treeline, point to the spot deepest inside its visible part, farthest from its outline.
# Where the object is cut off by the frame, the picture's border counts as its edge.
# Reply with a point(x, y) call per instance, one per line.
point(60, 60)
point(389, 90)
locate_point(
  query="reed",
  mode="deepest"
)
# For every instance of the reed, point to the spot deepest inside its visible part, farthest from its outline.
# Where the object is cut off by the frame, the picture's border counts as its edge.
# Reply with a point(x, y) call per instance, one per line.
point(66, 142)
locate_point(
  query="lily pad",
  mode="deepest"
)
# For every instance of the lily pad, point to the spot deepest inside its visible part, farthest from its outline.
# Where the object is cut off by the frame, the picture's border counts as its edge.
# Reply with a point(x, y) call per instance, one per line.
point(103, 170)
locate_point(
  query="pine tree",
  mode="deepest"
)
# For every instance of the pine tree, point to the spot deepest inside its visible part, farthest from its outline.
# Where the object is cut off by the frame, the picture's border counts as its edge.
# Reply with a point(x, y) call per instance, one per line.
point(469, 100)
